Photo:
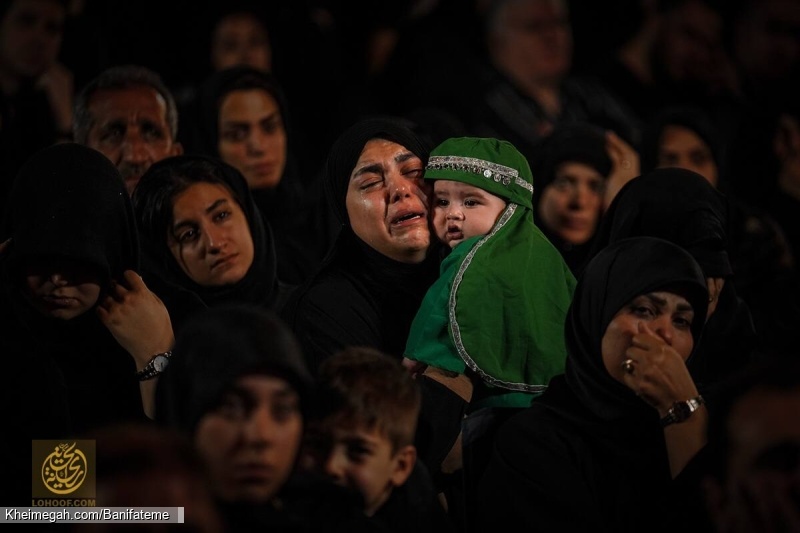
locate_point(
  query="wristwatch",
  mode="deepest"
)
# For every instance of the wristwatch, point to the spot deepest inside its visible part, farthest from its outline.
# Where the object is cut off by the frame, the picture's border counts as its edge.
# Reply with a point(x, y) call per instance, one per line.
point(154, 367)
point(680, 411)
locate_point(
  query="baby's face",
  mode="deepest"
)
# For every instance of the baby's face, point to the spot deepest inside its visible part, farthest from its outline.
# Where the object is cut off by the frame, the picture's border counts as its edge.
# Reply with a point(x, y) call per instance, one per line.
point(461, 211)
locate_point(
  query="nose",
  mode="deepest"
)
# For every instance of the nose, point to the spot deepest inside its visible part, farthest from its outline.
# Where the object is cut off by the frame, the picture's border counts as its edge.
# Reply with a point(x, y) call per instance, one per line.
point(335, 465)
point(259, 428)
point(663, 327)
point(215, 238)
point(58, 279)
point(133, 147)
point(256, 142)
point(454, 213)
point(400, 187)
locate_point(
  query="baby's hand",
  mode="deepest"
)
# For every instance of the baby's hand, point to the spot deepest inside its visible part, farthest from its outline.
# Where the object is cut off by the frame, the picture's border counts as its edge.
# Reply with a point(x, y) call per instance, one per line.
point(414, 367)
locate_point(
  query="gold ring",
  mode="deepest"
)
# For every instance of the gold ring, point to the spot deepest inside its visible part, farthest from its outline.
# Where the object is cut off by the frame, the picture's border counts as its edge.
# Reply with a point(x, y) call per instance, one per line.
point(627, 366)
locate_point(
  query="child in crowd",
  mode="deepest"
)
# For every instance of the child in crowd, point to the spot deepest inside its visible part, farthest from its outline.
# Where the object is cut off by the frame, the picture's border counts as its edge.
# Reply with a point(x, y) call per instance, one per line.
point(491, 328)
point(362, 436)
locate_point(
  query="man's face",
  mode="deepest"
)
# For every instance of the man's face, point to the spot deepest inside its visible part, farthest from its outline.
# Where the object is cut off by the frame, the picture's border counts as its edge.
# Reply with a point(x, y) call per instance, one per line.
point(387, 201)
point(30, 37)
point(130, 127)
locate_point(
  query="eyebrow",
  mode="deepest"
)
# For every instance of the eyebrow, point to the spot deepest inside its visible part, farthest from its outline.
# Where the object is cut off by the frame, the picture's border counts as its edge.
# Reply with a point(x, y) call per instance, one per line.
point(376, 167)
point(662, 302)
point(181, 223)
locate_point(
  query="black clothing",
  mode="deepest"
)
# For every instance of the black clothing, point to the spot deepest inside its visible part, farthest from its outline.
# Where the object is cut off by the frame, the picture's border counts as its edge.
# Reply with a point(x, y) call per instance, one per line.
point(589, 454)
point(682, 207)
point(65, 378)
point(295, 208)
point(506, 113)
point(153, 200)
point(359, 297)
point(576, 142)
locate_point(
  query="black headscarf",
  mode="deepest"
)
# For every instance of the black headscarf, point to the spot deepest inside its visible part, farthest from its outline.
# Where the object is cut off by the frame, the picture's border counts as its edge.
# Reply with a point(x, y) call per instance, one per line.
point(68, 200)
point(381, 295)
point(621, 272)
point(153, 200)
point(577, 142)
point(689, 117)
point(292, 208)
point(214, 349)
point(673, 204)
point(682, 207)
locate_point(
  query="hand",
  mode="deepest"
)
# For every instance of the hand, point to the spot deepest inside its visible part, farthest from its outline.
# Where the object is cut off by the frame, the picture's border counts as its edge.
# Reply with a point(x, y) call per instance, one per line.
point(414, 367)
point(57, 83)
point(660, 376)
point(624, 166)
point(137, 318)
point(4, 245)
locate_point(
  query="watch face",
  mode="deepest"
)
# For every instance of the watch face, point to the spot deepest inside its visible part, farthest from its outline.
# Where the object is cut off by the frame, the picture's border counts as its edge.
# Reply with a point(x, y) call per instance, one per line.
point(160, 363)
point(682, 411)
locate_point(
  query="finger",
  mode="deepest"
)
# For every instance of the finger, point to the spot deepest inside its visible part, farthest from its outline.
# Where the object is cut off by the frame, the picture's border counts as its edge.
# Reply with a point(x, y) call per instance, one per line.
point(4, 245)
point(117, 291)
point(134, 281)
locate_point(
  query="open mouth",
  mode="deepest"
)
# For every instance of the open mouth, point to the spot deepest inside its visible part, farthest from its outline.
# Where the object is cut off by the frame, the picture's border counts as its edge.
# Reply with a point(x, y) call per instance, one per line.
point(406, 218)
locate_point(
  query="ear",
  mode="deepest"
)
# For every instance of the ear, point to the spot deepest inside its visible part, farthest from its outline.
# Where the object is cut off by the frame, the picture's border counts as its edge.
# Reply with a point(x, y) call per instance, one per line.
point(405, 459)
point(177, 149)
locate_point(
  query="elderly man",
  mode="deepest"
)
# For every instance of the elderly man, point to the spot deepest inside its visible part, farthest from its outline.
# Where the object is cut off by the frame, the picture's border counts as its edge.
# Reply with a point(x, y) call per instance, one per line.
point(128, 114)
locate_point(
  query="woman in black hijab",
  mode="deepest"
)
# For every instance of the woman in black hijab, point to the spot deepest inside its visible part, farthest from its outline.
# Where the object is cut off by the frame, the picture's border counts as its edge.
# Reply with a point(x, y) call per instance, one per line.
point(682, 207)
point(245, 122)
point(73, 248)
point(250, 275)
point(571, 170)
point(239, 389)
point(373, 280)
point(605, 446)
point(760, 256)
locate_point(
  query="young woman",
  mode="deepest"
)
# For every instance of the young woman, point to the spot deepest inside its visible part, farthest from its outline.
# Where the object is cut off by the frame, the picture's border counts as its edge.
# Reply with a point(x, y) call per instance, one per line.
point(202, 231)
point(601, 448)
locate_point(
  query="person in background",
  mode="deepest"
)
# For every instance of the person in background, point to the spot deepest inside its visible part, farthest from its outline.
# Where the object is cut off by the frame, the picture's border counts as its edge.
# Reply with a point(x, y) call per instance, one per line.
point(239, 390)
point(129, 115)
point(36, 91)
point(361, 435)
point(244, 121)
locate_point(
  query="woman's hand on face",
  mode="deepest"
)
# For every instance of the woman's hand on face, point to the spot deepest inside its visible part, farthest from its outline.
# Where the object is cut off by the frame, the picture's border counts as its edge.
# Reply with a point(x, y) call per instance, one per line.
point(137, 318)
point(659, 374)
point(624, 166)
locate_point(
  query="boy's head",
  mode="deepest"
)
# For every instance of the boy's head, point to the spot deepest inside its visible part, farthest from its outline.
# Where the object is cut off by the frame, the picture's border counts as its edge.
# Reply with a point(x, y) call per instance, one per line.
point(363, 431)
point(473, 181)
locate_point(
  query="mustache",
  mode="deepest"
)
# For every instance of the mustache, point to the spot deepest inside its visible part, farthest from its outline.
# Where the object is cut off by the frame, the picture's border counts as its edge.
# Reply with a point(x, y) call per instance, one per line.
point(128, 170)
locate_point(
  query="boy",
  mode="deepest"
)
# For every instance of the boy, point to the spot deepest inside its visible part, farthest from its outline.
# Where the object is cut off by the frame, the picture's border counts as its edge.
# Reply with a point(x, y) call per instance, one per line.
point(362, 435)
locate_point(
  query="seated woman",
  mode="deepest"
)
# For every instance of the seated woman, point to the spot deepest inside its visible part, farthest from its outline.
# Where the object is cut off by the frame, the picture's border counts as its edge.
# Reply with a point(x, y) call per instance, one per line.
point(239, 389)
point(761, 259)
point(244, 120)
point(571, 171)
point(682, 207)
point(203, 232)
point(76, 320)
point(600, 450)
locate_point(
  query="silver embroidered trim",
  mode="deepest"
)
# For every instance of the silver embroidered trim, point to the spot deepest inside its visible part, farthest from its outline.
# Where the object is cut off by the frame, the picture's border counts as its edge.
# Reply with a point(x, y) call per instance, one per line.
point(481, 167)
point(456, 329)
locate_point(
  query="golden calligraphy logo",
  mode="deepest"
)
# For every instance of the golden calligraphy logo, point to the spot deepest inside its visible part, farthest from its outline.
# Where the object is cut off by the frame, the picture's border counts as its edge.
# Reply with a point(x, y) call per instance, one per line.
point(65, 469)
